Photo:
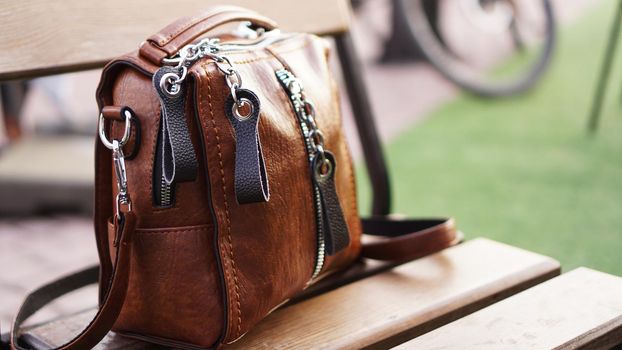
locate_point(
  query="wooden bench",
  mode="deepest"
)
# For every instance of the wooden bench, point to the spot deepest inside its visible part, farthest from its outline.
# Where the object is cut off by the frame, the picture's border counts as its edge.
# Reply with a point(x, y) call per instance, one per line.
point(580, 309)
point(434, 300)
point(378, 311)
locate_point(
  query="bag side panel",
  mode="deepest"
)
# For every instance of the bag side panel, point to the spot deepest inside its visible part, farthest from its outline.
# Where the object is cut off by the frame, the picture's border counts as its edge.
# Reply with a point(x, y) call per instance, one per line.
point(174, 291)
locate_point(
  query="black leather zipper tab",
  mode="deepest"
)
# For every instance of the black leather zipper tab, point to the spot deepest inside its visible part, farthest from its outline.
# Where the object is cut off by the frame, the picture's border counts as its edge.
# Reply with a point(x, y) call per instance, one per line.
point(251, 180)
point(336, 235)
point(176, 160)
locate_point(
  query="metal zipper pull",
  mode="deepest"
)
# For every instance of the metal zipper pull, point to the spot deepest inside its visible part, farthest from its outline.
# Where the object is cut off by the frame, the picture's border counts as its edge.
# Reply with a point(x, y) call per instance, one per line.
point(332, 231)
point(336, 235)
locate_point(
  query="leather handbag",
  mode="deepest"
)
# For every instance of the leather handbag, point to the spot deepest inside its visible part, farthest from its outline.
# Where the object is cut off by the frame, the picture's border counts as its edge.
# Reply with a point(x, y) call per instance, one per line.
point(224, 185)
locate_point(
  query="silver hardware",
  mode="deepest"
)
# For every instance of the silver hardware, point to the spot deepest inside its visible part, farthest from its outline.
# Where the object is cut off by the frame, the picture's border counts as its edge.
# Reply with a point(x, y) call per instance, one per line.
point(236, 109)
point(213, 48)
point(165, 193)
point(170, 82)
point(232, 78)
point(126, 131)
point(324, 168)
point(123, 196)
point(212, 45)
point(245, 31)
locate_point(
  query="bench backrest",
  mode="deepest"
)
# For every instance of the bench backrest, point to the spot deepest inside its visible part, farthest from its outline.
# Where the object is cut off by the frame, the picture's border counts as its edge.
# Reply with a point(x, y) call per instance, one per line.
point(41, 37)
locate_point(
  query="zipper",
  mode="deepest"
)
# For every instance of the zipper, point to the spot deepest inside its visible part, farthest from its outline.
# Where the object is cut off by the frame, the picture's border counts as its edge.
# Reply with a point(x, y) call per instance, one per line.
point(214, 49)
point(294, 89)
point(165, 193)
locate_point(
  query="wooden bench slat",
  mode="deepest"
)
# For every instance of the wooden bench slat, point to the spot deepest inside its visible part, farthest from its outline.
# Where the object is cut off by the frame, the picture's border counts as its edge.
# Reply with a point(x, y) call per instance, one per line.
point(582, 308)
point(406, 301)
point(42, 37)
point(385, 309)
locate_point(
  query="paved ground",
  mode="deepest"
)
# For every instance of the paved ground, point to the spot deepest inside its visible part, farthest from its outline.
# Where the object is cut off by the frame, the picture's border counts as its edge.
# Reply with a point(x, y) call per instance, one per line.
point(35, 250)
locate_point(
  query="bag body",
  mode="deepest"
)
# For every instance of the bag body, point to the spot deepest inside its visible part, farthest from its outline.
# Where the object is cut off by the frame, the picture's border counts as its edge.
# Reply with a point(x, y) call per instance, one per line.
point(206, 267)
point(224, 186)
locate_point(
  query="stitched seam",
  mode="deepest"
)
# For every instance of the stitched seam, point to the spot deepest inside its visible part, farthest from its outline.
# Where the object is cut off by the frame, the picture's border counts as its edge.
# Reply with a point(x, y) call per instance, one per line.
point(172, 231)
point(204, 125)
point(181, 29)
point(224, 191)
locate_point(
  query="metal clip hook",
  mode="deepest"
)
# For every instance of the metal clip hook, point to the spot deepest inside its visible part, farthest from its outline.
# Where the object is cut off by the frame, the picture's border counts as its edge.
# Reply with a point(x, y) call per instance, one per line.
point(123, 197)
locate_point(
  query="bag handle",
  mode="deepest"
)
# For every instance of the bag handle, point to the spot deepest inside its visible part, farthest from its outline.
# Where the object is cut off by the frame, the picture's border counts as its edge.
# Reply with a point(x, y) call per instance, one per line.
point(110, 307)
point(185, 30)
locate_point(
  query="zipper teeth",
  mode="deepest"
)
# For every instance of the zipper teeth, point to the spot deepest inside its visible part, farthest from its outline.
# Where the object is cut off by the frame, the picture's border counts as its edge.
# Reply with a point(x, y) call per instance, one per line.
point(321, 244)
point(165, 193)
point(285, 76)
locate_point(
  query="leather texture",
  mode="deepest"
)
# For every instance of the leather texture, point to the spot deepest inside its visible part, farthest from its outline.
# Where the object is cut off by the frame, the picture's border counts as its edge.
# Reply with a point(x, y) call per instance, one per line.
point(179, 161)
point(256, 281)
point(334, 226)
point(251, 180)
point(203, 272)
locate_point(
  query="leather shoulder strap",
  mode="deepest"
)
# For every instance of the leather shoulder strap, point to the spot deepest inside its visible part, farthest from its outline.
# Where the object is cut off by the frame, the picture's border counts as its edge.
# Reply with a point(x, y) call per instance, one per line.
point(408, 239)
point(109, 309)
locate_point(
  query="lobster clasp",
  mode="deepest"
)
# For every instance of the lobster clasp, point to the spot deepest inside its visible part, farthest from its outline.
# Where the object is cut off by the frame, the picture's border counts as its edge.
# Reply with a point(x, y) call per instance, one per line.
point(116, 146)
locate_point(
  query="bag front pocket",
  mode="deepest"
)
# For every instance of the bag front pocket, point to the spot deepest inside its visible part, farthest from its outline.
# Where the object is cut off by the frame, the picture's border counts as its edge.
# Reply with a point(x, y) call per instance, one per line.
point(174, 289)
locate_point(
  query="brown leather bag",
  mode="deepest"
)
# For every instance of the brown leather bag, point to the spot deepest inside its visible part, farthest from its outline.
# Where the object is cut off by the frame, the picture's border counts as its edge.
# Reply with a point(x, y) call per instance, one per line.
point(224, 185)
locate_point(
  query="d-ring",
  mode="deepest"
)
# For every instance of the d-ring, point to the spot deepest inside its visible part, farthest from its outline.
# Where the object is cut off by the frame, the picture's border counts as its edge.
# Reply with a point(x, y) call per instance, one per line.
point(126, 132)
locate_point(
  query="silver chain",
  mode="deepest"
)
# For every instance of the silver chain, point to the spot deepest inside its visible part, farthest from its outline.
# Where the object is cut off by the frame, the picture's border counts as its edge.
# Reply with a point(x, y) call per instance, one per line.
point(305, 109)
point(189, 54)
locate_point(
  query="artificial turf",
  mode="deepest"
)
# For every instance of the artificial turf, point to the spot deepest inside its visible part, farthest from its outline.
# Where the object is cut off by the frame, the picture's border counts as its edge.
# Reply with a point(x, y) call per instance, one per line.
point(523, 170)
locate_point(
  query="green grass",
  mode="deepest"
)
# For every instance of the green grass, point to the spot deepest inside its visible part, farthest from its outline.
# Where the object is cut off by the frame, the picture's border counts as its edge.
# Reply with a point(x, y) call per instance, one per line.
point(523, 170)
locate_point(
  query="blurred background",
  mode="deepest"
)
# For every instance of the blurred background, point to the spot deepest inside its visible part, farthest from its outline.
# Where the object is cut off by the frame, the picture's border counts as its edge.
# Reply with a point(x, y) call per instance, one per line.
point(484, 107)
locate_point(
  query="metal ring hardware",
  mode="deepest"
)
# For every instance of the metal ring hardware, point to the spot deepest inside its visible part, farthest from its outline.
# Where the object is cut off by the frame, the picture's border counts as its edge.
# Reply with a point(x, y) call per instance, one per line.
point(236, 109)
point(324, 168)
point(126, 132)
